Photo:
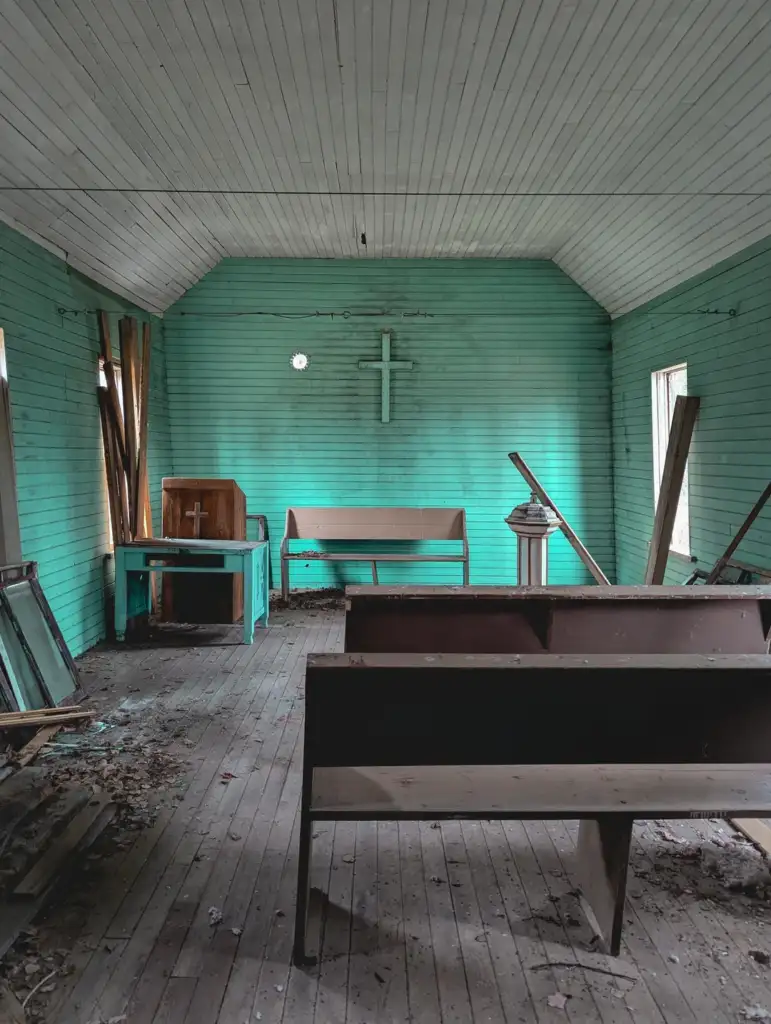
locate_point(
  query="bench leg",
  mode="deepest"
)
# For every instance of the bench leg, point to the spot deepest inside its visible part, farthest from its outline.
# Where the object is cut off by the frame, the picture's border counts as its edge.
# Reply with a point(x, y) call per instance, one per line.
point(603, 860)
point(374, 573)
point(465, 574)
point(300, 955)
point(285, 579)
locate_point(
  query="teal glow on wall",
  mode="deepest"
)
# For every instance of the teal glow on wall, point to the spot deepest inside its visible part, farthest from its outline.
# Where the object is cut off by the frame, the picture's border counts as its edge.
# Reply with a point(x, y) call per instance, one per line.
point(507, 354)
point(729, 367)
point(52, 369)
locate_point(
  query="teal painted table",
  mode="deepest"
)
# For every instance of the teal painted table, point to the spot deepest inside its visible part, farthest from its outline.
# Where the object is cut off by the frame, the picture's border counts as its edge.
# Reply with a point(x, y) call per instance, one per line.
point(170, 555)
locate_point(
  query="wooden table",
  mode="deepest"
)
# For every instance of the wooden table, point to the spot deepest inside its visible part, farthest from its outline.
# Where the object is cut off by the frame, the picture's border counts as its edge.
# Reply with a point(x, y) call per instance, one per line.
point(182, 555)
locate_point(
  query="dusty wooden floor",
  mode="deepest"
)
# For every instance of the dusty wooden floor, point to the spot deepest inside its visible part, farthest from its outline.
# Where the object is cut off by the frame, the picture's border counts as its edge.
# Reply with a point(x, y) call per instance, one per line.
point(458, 923)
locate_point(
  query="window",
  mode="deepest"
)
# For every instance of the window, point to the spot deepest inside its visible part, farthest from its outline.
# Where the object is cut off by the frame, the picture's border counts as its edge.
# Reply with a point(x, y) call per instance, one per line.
point(666, 385)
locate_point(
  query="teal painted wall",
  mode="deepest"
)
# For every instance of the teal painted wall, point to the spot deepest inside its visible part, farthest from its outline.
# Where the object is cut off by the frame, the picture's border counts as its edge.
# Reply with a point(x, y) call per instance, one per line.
point(514, 355)
point(729, 367)
point(52, 370)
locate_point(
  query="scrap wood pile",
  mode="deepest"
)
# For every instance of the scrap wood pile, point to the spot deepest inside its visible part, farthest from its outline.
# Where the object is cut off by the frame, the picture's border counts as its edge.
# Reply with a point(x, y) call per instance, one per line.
point(124, 406)
point(87, 775)
point(46, 722)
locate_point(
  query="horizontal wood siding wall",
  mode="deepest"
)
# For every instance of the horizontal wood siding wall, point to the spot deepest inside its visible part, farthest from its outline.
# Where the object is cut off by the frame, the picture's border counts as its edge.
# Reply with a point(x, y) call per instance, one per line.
point(52, 370)
point(729, 367)
point(508, 354)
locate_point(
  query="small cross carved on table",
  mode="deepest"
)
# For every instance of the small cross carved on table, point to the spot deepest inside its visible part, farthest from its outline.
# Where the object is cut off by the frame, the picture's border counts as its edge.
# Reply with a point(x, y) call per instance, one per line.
point(196, 515)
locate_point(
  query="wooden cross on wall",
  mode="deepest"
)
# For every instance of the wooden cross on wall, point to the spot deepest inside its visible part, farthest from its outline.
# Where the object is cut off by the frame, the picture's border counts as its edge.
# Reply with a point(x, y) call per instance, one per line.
point(197, 515)
point(385, 364)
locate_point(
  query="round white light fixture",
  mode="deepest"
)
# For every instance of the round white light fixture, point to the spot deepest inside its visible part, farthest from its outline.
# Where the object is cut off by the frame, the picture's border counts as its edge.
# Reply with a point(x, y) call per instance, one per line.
point(299, 361)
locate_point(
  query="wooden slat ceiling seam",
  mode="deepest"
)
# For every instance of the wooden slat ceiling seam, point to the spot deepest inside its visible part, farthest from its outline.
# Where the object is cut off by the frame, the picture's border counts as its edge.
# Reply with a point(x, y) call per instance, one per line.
point(523, 124)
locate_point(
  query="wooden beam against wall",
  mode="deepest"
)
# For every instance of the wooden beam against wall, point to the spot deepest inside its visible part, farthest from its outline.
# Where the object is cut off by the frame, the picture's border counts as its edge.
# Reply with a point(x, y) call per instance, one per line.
point(725, 558)
point(129, 380)
point(144, 525)
point(108, 366)
point(572, 536)
point(113, 494)
point(680, 434)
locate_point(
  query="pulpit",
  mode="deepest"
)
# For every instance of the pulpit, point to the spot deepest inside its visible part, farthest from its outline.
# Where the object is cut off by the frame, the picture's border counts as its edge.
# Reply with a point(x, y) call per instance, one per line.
point(203, 509)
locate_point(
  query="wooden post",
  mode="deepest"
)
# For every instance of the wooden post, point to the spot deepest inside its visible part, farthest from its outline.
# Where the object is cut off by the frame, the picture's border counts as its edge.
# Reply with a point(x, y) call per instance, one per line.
point(680, 434)
point(571, 535)
point(144, 527)
point(128, 346)
point(110, 469)
point(112, 387)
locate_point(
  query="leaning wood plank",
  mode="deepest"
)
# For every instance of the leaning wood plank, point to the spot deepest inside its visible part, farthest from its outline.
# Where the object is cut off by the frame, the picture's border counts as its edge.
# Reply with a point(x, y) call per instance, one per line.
point(128, 345)
point(721, 563)
point(43, 873)
point(143, 500)
point(113, 493)
point(572, 536)
point(105, 345)
point(603, 860)
point(65, 710)
point(30, 751)
point(123, 499)
point(680, 434)
point(756, 831)
point(42, 720)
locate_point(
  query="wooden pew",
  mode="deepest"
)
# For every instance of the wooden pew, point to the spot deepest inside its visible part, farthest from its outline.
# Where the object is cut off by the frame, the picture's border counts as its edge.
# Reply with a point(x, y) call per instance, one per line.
point(379, 527)
point(393, 736)
point(559, 620)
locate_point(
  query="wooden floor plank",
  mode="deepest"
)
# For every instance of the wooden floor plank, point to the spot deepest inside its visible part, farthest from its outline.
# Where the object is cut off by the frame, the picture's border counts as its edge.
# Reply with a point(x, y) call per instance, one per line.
point(532, 950)
point(567, 912)
point(454, 998)
point(390, 965)
point(483, 991)
point(333, 969)
point(303, 985)
point(362, 984)
point(422, 982)
point(572, 983)
point(510, 976)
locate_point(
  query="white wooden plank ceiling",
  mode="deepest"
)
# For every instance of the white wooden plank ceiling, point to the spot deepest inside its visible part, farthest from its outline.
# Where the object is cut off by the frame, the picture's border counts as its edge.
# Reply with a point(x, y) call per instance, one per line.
point(629, 140)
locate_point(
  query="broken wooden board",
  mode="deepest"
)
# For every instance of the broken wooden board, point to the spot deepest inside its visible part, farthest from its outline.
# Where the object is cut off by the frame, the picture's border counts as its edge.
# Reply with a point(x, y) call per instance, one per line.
point(756, 830)
point(80, 832)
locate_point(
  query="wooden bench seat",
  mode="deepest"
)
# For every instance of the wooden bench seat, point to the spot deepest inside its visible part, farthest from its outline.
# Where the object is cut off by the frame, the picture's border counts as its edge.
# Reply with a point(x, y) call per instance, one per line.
point(375, 526)
point(540, 792)
point(601, 738)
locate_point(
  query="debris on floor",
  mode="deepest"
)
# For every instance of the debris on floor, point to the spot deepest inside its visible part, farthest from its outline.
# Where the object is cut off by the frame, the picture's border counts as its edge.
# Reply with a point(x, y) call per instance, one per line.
point(88, 792)
point(724, 868)
point(309, 600)
point(756, 1013)
point(32, 976)
point(558, 1001)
